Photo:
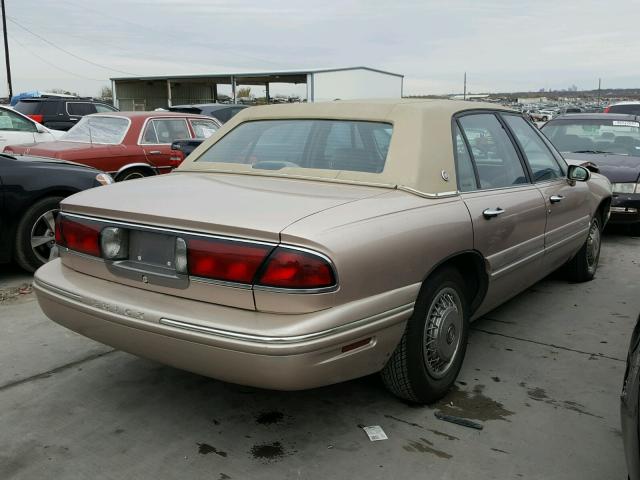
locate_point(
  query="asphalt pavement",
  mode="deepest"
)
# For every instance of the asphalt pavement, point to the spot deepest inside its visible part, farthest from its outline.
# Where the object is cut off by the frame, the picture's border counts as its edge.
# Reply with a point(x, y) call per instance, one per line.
point(542, 376)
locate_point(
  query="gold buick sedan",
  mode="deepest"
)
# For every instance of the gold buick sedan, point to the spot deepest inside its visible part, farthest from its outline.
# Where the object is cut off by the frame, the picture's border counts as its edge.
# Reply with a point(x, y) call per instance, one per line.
point(308, 244)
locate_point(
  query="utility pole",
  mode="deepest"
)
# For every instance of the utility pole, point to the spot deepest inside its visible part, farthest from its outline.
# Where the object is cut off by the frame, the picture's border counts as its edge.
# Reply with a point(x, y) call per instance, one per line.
point(599, 85)
point(6, 51)
point(464, 94)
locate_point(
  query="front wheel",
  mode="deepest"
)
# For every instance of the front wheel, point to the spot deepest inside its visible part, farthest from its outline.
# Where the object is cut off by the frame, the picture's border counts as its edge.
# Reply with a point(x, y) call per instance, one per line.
point(583, 266)
point(426, 363)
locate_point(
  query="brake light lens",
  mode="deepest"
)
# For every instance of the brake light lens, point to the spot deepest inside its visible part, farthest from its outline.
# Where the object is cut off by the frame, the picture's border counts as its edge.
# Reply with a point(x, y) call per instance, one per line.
point(81, 237)
point(607, 109)
point(225, 260)
point(37, 118)
point(176, 157)
point(297, 269)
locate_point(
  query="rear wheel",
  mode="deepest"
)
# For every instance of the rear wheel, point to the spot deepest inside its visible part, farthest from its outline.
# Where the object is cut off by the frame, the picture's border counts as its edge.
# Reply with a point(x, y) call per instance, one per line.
point(35, 235)
point(583, 266)
point(132, 174)
point(426, 363)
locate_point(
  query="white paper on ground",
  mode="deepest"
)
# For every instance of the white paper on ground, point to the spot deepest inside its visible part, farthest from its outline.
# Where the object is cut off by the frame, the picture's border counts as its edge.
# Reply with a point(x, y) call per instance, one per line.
point(375, 433)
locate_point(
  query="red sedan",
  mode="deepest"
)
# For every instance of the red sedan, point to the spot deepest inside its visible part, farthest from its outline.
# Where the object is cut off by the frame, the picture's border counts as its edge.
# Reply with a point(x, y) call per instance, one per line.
point(125, 144)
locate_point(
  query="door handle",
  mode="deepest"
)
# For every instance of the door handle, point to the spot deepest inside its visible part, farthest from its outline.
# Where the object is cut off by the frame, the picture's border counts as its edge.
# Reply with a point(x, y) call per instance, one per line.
point(556, 198)
point(492, 212)
point(155, 152)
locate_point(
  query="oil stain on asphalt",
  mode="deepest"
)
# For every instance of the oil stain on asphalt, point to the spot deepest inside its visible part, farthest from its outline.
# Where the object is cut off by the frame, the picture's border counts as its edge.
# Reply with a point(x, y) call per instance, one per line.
point(270, 418)
point(474, 405)
point(540, 395)
point(206, 449)
point(268, 452)
point(425, 446)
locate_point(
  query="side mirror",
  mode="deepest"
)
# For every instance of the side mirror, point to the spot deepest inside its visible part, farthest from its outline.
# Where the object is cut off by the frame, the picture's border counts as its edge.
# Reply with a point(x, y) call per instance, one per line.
point(578, 173)
point(40, 128)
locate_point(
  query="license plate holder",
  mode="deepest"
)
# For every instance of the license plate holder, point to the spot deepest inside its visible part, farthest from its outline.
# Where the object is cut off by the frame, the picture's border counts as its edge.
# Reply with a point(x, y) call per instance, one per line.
point(152, 249)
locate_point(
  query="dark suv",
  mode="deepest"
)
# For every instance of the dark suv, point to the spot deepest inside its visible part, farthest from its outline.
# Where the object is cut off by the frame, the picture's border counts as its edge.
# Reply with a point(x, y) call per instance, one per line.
point(60, 113)
point(220, 111)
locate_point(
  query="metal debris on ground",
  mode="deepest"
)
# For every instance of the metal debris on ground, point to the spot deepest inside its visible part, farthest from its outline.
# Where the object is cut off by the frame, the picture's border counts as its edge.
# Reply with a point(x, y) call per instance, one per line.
point(458, 420)
point(12, 293)
point(374, 432)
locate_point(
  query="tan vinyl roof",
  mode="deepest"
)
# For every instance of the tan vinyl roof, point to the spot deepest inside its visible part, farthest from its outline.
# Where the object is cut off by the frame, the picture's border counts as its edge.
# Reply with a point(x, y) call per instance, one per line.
point(421, 144)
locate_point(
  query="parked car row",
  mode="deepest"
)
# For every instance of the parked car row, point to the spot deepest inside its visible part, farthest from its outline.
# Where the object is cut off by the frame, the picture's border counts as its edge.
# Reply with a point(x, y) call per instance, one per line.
point(126, 145)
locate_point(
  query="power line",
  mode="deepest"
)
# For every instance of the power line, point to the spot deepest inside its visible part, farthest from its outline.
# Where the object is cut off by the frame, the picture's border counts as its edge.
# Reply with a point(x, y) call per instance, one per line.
point(67, 51)
point(13, 39)
point(167, 32)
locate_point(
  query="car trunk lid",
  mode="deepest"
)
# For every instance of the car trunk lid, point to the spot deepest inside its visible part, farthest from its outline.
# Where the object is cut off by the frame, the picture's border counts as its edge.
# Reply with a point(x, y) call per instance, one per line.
point(177, 205)
point(246, 206)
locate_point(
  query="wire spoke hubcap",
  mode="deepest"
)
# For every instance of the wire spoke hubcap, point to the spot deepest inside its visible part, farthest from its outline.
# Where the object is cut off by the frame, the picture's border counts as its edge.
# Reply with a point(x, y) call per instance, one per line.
point(442, 332)
point(43, 235)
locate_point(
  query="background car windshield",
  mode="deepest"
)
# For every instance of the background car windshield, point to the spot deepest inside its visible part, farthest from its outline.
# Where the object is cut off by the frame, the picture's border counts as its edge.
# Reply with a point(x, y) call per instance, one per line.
point(322, 144)
point(98, 130)
point(621, 137)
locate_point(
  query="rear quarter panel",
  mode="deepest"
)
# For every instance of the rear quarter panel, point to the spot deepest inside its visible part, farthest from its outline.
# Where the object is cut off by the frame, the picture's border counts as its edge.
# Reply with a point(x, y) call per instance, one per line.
point(381, 246)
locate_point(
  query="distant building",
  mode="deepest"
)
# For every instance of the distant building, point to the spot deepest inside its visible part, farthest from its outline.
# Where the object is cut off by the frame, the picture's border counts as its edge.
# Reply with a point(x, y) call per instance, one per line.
point(526, 100)
point(147, 93)
point(469, 96)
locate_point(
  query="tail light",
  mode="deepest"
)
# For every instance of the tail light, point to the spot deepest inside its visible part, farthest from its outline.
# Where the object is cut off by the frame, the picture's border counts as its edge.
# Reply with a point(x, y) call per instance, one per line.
point(244, 262)
point(37, 118)
point(81, 237)
point(298, 269)
point(225, 260)
point(176, 157)
point(607, 109)
point(259, 264)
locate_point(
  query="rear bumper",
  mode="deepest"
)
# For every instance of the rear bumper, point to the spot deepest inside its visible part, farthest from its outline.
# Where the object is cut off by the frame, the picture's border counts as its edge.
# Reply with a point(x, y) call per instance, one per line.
point(178, 332)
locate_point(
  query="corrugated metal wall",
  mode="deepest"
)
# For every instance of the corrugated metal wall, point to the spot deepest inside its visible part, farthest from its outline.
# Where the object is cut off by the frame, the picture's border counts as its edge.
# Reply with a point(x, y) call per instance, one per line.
point(187, 93)
point(148, 95)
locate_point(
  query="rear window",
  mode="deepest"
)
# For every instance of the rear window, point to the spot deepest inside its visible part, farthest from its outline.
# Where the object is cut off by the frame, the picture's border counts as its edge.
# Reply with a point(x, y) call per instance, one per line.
point(28, 108)
point(322, 144)
point(105, 130)
point(632, 109)
point(185, 110)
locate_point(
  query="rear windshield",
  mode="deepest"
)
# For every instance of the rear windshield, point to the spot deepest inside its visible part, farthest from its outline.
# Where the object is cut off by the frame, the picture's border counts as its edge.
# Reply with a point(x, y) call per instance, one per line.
point(631, 109)
point(106, 130)
point(620, 137)
point(322, 144)
point(28, 108)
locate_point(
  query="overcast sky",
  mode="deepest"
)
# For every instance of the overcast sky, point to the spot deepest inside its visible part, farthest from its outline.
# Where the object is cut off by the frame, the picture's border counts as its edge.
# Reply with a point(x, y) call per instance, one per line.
point(511, 45)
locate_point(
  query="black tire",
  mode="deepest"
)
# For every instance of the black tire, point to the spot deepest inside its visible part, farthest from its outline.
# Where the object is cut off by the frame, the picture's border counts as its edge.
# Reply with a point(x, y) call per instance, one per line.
point(582, 267)
point(25, 255)
point(406, 374)
point(132, 174)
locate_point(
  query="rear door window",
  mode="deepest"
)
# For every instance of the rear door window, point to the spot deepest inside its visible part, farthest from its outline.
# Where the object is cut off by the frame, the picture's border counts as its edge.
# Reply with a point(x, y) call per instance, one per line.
point(161, 131)
point(464, 165)
point(495, 157)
